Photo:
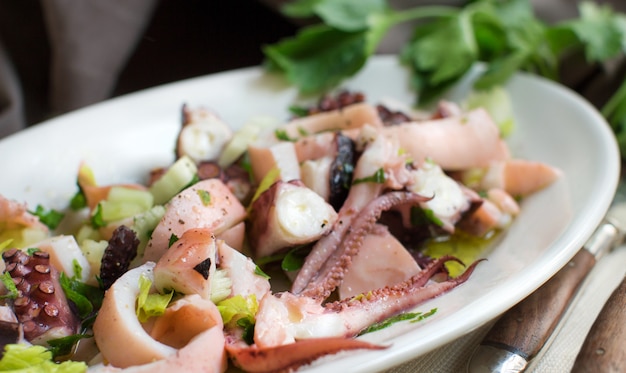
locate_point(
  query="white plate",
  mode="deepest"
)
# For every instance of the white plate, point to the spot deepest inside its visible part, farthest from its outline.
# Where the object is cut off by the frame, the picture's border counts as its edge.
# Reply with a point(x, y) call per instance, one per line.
point(123, 138)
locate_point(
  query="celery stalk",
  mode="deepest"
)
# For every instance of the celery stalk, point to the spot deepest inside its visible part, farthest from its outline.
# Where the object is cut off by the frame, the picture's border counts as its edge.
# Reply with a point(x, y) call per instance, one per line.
point(182, 173)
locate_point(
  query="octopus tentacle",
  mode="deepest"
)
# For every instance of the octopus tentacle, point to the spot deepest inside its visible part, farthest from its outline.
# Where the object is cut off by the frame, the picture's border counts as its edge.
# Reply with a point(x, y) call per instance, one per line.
point(379, 153)
point(288, 358)
point(286, 318)
point(41, 305)
point(332, 271)
point(380, 304)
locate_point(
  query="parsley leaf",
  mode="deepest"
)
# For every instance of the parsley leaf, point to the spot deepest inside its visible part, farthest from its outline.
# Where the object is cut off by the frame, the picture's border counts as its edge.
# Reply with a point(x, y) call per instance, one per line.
point(316, 52)
point(378, 177)
point(51, 218)
point(9, 285)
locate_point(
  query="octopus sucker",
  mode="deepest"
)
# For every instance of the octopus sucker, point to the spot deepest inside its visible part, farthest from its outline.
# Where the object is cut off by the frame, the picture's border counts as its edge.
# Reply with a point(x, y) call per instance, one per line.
point(41, 306)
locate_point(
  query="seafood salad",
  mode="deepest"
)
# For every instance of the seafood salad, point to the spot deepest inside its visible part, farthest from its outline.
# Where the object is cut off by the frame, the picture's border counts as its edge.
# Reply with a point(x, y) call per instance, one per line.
point(340, 202)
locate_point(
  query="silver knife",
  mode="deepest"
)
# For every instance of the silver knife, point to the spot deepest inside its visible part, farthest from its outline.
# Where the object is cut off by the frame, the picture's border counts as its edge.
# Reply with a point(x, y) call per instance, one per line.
point(516, 337)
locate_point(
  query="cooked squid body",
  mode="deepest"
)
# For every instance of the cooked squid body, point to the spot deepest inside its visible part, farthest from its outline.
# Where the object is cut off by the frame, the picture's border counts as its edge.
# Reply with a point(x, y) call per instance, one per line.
point(188, 326)
point(207, 204)
point(121, 338)
point(286, 215)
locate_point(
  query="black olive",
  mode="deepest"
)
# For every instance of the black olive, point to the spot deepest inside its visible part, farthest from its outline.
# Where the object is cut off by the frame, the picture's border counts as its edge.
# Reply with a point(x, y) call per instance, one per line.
point(341, 170)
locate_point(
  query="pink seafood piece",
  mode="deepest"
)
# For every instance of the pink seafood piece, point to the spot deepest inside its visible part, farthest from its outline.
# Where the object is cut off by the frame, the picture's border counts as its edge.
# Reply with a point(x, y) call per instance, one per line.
point(125, 343)
point(207, 204)
point(519, 177)
point(349, 117)
point(15, 215)
point(381, 261)
point(454, 143)
point(289, 357)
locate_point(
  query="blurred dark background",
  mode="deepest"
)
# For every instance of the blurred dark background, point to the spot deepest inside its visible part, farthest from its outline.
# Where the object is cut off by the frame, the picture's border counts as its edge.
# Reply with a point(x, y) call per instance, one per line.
point(183, 39)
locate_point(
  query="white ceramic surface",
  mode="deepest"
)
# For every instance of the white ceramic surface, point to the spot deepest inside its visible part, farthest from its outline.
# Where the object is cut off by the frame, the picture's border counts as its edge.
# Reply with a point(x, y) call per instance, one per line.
point(123, 138)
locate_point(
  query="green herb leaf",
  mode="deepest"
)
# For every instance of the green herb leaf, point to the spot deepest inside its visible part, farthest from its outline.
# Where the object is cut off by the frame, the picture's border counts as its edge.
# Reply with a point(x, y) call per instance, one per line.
point(150, 305)
point(32, 250)
point(236, 308)
point(319, 57)
point(599, 30)
point(51, 218)
point(173, 239)
point(205, 197)
point(349, 15)
point(282, 135)
point(294, 259)
point(78, 201)
point(300, 8)
point(24, 358)
point(86, 298)
point(378, 177)
point(96, 218)
point(61, 347)
point(298, 111)
point(12, 291)
point(259, 272)
point(412, 316)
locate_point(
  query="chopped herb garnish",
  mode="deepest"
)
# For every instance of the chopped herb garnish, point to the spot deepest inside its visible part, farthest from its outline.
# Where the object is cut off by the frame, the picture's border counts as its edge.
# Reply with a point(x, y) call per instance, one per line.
point(420, 216)
point(173, 239)
point(86, 298)
point(12, 291)
point(149, 305)
point(412, 316)
point(294, 259)
point(63, 346)
point(96, 219)
point(298, 111)
point(51, 218)
point(259, 272)
point(205, 197)
point(239, 311)
point(282, 135)
point(78, 270)
point(78, 201)
point(31, 250)
point(378, 177)
point(248, 329)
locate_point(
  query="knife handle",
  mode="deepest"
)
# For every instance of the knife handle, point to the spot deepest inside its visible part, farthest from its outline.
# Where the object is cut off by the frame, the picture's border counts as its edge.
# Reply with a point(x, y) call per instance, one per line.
point(603, 349)
point(525, 328)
